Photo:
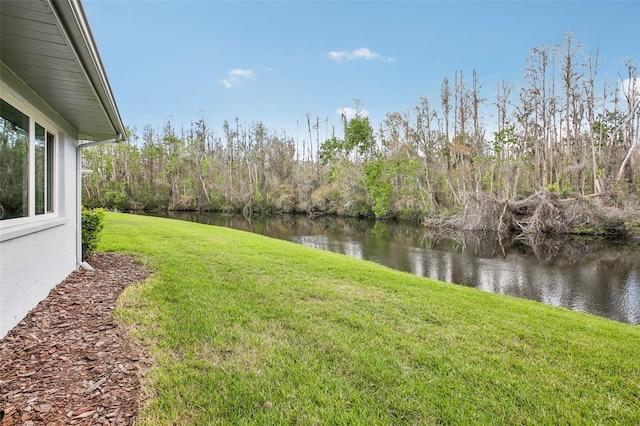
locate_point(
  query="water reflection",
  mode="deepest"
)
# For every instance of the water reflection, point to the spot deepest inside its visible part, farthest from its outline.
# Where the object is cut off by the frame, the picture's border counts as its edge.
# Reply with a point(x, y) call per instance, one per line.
point(588, 275)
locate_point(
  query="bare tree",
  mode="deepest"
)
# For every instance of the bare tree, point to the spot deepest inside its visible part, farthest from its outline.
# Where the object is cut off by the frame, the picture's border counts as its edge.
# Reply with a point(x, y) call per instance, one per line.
point(445, 101)
point(632, 95)
point(569, 52)
point(590, 98)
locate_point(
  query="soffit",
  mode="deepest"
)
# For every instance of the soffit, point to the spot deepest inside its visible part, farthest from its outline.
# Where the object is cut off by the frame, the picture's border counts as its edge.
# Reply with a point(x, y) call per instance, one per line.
point(44, 44)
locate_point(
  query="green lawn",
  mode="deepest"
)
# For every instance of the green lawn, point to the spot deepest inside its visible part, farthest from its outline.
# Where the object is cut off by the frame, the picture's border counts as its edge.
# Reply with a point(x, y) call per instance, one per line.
point(234, 320)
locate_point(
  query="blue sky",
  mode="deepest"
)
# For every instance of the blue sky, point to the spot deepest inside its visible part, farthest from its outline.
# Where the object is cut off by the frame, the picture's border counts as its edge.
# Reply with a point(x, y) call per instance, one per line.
point(274, 62)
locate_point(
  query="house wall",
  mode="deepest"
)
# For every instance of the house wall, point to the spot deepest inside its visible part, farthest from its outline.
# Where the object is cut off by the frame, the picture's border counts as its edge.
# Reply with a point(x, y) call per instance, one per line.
point(37, 253)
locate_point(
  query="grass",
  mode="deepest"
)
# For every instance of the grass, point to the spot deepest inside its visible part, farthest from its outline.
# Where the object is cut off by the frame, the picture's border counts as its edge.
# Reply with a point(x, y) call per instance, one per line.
point(234, 320)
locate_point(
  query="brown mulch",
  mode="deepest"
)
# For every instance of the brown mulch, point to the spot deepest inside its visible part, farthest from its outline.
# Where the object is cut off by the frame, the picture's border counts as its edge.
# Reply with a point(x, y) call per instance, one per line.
point(68, 361)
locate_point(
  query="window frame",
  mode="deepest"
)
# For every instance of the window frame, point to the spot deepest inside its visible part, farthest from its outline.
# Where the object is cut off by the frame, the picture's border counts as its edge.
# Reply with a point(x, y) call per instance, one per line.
point(34, 222)
point(44, 197)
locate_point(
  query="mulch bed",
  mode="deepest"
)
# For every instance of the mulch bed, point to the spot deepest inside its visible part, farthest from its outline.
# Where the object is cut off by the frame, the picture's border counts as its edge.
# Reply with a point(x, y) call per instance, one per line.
point(68, 362)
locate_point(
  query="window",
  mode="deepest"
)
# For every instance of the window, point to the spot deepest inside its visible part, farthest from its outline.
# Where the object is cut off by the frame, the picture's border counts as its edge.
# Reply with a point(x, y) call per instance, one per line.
point(27, 152)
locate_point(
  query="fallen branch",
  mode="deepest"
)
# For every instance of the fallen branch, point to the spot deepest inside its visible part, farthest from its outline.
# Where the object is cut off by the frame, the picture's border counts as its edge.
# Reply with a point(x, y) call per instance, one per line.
point(95, 386)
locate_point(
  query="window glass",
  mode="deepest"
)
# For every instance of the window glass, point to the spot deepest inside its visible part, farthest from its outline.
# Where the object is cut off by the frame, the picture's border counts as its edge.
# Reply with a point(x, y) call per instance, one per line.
point(14, 162)
point(40, 168)
point(49, 173)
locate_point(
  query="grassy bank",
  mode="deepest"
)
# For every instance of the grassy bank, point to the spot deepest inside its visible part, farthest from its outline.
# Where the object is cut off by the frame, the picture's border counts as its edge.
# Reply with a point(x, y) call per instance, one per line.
point(236, 319)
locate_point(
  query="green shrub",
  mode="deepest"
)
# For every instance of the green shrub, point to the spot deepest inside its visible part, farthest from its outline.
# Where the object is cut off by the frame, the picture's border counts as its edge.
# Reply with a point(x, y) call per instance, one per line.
point(632, 225)
point(92, 224)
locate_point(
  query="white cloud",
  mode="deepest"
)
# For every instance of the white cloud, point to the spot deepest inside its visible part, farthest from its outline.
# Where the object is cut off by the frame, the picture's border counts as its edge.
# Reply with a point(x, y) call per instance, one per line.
point(236, 77)
point(241, 73)
point(336, 56)
point(349, 112)
point(361, 53)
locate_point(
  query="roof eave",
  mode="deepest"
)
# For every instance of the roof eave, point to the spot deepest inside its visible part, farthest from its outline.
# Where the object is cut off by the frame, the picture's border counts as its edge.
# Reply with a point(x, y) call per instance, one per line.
point(72, 18)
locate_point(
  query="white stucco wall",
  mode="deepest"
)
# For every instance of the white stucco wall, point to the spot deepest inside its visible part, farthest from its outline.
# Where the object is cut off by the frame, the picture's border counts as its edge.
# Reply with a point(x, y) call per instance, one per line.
point(38, 254)
point(30, 266)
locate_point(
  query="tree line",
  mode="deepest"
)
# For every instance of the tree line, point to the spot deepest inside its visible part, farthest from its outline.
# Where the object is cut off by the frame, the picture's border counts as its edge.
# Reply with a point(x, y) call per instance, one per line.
point(566, 131)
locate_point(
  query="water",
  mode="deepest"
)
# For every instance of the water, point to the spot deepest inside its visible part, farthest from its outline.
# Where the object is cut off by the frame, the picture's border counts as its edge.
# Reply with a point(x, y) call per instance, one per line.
point(584, 274)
